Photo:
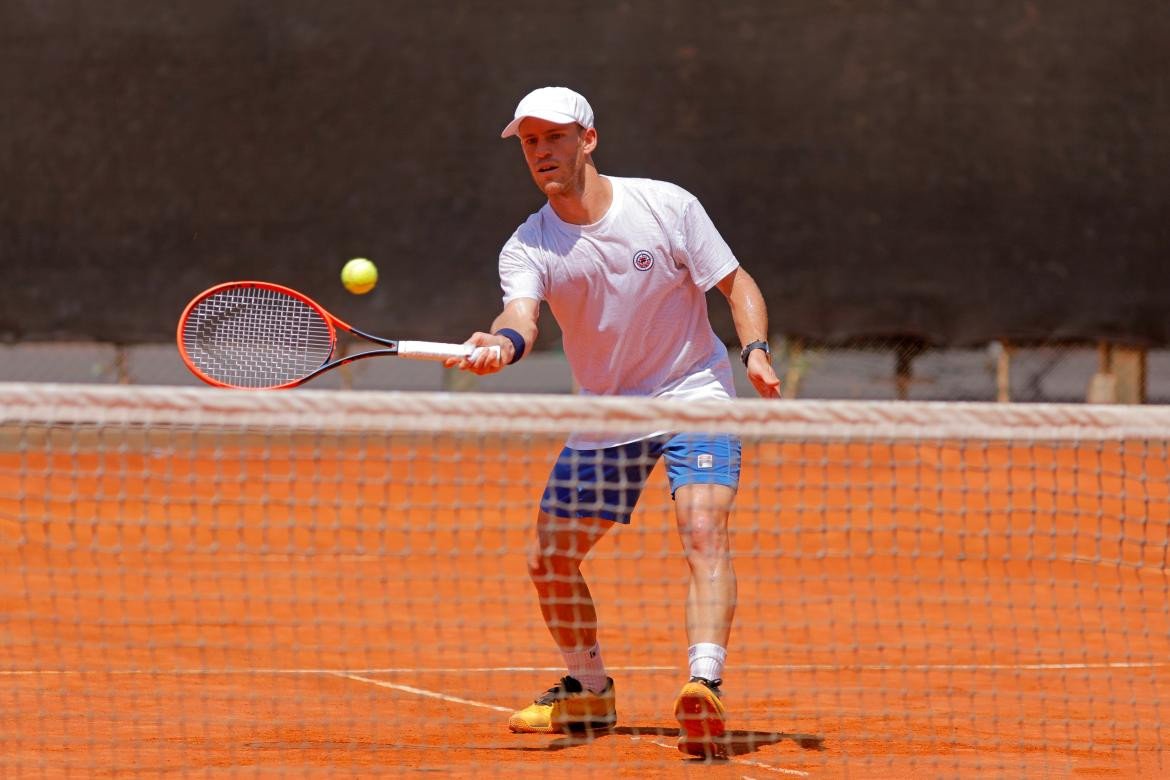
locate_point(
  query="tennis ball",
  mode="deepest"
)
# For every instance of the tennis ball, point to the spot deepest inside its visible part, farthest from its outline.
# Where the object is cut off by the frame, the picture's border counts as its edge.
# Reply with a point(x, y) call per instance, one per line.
point(359, 276)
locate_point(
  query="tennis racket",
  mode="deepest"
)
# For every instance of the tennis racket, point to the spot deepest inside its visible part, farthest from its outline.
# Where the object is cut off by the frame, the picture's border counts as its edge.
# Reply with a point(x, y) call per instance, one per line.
point(261, 336)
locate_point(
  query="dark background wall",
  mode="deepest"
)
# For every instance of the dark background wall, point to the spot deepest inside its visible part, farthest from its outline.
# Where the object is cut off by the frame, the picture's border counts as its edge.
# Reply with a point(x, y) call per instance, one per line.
point(951, 172)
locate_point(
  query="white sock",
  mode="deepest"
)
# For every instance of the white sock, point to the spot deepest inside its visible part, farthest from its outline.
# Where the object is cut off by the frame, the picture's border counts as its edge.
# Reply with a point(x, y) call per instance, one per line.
point(587, 668)
point(707, 660)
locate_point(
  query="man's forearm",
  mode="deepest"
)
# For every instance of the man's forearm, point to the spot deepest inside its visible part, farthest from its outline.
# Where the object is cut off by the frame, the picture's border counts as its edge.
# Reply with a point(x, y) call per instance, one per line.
point(519, 323)
point(749, 313)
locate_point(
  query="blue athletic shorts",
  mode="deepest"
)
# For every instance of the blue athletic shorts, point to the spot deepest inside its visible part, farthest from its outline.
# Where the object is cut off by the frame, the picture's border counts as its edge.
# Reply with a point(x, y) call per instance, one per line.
point(606, 483)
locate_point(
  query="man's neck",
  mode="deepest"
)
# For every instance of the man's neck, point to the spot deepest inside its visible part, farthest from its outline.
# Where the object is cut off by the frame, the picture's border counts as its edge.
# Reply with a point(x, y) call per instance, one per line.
point(587, 206)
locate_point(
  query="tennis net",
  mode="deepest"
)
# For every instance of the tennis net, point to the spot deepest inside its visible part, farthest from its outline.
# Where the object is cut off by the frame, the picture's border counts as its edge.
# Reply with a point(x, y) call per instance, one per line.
point(198, 582)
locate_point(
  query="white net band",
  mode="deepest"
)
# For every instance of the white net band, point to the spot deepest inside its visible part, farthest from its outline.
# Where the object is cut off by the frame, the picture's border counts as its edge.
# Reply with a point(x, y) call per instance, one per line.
point(536, 414)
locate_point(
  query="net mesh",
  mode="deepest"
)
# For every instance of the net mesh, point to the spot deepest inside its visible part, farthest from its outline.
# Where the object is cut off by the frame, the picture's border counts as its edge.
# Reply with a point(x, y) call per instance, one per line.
point(202, 582)
point(255, 337)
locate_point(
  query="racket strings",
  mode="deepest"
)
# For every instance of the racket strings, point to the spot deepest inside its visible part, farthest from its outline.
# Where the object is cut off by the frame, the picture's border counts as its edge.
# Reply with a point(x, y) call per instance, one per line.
point(255, 337)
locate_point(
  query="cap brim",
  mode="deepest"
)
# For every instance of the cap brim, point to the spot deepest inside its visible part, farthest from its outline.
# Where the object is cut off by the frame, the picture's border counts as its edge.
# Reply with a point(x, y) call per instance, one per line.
point(553, 116)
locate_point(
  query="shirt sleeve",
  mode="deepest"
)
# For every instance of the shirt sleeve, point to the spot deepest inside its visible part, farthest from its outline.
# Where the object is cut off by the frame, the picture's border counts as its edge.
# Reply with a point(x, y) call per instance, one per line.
point(709, 258)
point(520, 274)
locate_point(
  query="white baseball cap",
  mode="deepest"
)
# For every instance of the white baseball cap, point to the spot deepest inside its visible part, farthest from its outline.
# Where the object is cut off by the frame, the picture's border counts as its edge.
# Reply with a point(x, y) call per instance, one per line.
point(553, 104)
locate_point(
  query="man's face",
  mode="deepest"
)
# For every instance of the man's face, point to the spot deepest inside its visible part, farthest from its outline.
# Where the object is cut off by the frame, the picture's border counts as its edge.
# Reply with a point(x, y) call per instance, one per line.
point(556, 154)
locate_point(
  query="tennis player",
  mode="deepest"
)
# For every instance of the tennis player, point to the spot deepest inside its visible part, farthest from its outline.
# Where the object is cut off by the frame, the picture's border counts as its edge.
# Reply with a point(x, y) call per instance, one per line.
point(624, 265)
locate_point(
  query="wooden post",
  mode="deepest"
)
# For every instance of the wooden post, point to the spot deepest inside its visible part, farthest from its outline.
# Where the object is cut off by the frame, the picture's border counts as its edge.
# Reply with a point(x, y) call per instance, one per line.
point(121, 364)
point(794, 371)
point(1103, 384)
point(1003, 373)
point(1129, 371)
point(456, 381)
point(344, 372)
point(904, 354)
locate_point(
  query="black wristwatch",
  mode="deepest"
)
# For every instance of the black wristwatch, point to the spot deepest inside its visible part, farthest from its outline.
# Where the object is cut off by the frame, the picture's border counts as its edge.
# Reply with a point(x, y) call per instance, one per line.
point(754, 345)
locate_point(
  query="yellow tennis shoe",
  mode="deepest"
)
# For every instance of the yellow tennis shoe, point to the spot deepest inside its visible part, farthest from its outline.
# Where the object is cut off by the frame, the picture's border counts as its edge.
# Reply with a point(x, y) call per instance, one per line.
point(567, 706)
point(700, 713)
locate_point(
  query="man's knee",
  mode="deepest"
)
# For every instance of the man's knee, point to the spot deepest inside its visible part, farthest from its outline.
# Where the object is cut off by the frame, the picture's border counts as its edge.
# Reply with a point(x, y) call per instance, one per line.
point(704, 535)
point(543, 558)
point(545, 563)
point(703, 512)
point(559, 547)
point(562, 542)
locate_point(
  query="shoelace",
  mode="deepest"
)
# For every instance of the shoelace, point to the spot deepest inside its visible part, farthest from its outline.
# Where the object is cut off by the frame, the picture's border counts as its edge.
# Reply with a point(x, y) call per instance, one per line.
point(712, 685)
point(558, 691)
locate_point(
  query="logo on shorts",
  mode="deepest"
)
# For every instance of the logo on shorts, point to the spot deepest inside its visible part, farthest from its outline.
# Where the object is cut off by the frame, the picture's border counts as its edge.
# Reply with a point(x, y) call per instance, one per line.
point(643, 260)
point(706, 460)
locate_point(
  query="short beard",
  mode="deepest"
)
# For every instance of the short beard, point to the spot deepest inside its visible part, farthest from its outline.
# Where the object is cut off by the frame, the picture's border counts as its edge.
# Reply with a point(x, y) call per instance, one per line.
point(562, 186)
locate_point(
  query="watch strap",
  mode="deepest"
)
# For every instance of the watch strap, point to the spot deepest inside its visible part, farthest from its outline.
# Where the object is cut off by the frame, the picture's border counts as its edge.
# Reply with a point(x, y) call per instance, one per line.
point(747, 351)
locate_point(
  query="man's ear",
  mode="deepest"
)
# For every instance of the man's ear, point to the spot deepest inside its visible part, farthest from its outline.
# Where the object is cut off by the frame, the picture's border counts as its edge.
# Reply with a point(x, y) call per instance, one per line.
point(589, 140)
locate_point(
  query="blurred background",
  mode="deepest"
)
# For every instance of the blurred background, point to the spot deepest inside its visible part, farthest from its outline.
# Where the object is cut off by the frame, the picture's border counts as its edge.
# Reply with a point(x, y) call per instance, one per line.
point(948, 201)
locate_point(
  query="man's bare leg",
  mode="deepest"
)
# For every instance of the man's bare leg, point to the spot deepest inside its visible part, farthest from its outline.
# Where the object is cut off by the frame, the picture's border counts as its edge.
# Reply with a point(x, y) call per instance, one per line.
point(702, 512)
point(554, 564)
point(585, 697)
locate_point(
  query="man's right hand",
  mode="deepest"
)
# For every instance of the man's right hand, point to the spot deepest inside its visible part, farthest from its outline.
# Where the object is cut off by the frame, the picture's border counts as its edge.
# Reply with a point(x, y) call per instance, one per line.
point(485, 361)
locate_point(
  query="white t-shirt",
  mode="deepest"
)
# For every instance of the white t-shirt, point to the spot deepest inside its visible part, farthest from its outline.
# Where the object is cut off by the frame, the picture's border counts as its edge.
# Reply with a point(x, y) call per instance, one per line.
point(628, 293)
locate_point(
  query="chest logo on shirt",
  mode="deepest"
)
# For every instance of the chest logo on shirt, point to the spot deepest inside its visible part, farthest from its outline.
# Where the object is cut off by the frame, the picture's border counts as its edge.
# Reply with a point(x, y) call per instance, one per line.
point(643, 260)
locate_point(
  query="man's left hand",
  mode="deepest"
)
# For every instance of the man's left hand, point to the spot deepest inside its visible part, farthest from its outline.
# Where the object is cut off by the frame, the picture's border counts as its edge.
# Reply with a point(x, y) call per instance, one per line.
point(762, 376)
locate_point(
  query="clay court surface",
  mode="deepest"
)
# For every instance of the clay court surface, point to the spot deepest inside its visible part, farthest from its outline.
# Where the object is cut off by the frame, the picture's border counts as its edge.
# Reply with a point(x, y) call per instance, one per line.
point(208, 606)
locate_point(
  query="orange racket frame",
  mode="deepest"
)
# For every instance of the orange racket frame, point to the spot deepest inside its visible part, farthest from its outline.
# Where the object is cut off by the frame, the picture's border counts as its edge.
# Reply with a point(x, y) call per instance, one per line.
point(425, 350)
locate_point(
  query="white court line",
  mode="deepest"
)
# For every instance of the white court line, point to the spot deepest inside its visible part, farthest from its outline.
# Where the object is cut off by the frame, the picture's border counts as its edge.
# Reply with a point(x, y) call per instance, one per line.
point(1139, 566)
point(386, 670)
point(497, 708)
point(778, 769)
point(422, 692)
point(746, 762)
point(1035, 667)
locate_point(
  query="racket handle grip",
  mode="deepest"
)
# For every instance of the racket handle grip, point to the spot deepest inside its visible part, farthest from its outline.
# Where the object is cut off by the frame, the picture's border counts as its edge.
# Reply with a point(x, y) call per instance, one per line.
point(433, 350)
